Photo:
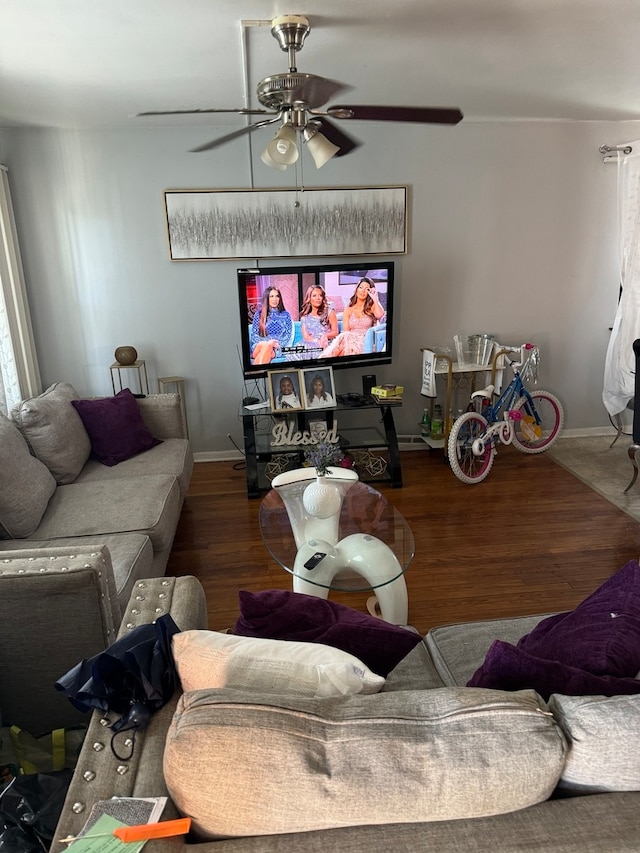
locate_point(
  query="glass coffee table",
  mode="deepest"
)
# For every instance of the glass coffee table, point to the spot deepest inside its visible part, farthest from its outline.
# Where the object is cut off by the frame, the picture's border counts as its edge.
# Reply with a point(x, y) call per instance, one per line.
point(369, 548)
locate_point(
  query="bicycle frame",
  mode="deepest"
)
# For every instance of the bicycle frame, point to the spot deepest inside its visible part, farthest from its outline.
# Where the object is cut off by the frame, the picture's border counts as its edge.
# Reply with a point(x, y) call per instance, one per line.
point(499, 431)
point(501, 412)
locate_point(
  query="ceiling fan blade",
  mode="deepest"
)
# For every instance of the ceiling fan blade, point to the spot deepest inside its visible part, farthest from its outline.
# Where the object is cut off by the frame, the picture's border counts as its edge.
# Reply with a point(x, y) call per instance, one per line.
point(423, 115)
point(200, 112)
point(234, 135)
point(345, 143)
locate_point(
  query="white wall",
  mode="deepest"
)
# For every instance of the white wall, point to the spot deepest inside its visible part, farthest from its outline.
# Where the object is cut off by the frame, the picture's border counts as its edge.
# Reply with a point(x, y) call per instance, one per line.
point(512, 230)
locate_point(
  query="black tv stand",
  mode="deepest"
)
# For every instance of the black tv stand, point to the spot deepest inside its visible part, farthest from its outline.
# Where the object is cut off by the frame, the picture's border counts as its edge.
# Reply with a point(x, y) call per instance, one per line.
point(363, 435)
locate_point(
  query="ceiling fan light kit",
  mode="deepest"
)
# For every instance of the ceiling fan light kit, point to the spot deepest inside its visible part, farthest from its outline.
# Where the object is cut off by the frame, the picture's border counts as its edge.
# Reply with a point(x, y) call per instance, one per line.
point(295, 98)
point(282, 149)
point(320, 148)
point(269, 162)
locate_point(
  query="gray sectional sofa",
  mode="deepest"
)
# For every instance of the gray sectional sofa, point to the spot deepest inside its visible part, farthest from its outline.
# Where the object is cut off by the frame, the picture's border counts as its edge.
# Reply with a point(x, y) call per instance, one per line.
point(76, 538)
point(445, 767)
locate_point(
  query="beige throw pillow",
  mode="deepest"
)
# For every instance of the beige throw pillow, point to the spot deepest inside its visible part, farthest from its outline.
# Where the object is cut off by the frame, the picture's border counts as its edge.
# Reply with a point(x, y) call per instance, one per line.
point(208, 659)
point(26, 485)
point(243, 763)
point(54, 431)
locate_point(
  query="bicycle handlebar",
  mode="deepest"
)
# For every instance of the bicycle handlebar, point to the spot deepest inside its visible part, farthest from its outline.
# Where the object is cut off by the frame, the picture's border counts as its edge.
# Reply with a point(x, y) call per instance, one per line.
point(523, 349)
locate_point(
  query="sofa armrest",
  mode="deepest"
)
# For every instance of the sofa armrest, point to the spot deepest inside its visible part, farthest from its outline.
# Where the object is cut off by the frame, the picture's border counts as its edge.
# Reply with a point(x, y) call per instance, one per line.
point(99, 775)
point(57, 606)
point(162, 413)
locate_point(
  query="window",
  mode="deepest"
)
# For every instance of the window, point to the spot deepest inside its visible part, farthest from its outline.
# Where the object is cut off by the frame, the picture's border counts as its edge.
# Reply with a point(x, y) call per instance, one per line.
point(19, 373)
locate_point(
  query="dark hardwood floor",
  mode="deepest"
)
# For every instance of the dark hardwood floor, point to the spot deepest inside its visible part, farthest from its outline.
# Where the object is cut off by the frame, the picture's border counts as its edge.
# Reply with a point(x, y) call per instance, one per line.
point(530, 539)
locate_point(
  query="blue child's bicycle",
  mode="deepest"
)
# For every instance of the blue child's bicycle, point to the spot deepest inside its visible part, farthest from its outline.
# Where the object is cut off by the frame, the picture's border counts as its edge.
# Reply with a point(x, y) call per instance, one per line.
point(531, 420)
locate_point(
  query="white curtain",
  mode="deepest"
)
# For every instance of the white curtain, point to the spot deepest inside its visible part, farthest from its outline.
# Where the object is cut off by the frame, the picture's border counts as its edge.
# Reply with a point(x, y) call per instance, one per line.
point(19, 373)
point(619, 371)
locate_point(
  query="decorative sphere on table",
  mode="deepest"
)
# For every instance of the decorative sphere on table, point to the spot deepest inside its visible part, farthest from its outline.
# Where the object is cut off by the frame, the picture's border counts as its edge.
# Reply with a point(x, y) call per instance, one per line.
point(126, 356)
point(321, 499)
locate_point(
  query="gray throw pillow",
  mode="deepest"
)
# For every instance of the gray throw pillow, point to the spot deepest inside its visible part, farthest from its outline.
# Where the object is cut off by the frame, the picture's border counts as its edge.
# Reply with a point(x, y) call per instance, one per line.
point(54, 431)
point(26, 485)
point(602, 732)
point(297, 764)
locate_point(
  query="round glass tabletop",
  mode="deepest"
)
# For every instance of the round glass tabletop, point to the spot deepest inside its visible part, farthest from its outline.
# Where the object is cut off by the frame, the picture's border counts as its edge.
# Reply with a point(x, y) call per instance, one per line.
point(366, 520)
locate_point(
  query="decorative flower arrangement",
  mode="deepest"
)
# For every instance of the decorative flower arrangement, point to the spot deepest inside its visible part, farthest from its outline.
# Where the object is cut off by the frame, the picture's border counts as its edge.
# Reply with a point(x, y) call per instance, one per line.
point(323, 454)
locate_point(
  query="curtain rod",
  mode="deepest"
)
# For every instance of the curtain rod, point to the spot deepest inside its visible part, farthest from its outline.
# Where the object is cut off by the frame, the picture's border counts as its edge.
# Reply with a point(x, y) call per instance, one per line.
point(607, 149)
point(612, 152)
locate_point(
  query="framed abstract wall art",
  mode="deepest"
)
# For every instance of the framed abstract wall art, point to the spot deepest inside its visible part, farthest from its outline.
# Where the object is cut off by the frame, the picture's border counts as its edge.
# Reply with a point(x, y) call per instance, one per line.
point(208, 225)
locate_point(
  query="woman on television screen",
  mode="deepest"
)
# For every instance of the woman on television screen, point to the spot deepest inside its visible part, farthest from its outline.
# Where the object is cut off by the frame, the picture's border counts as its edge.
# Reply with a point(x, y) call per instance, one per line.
point(271, 329)
point(318, 321)
point(363, 311)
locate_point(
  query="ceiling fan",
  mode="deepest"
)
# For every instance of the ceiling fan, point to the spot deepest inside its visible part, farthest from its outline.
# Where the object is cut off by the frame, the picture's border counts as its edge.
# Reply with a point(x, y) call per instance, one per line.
point(293, 99)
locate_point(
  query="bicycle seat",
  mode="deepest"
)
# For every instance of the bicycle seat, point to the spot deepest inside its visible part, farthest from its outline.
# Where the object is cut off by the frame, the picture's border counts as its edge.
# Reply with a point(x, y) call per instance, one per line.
point(485, 392)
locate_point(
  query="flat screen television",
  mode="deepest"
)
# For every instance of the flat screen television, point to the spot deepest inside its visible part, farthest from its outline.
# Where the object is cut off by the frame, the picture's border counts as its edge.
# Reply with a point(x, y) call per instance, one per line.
point(300, 316)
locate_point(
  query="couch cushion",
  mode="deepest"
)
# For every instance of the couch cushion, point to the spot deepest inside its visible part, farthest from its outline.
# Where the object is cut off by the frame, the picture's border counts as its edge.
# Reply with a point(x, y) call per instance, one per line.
point(173, 456)
point(603, 742)
point(115, 427)
point(54, 431)
point(149, 505)
point(458, 650)
point(600, 824)
point(594, 649)
point(292, 764)
point(26, 484)
point(414, 672)
point(279, 614)
point(209, 659)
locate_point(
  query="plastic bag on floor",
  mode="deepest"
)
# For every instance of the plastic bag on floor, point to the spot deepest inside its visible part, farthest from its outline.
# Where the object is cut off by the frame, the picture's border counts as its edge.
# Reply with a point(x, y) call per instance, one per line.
point(30, 808)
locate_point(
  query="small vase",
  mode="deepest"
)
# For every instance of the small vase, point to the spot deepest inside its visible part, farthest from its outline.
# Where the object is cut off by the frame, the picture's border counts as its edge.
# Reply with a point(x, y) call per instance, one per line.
point(321, 498)
point(126, 356)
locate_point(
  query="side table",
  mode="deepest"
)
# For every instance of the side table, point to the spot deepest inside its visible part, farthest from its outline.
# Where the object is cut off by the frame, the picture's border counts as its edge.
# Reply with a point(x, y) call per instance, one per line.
point(365, 544)
point(139, 365)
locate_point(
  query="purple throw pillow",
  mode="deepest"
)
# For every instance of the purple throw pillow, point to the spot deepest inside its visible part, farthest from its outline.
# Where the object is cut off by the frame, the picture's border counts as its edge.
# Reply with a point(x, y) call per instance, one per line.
point(602, 634)
point(507, 667)
point(277, 614)
point(115, 427)
point(592, 650)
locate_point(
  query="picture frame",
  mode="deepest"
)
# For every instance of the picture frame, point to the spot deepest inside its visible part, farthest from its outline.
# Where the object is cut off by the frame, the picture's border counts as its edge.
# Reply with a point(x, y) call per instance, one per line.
point(282, 400)
point(327, 398)
point(213, 225)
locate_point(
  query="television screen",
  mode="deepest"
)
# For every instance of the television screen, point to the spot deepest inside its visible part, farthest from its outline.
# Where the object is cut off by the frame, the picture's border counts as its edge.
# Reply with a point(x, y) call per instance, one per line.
point(339, 315)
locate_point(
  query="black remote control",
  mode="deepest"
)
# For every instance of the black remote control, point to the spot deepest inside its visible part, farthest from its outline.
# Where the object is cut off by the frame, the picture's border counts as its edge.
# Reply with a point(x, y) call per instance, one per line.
point(313, 561)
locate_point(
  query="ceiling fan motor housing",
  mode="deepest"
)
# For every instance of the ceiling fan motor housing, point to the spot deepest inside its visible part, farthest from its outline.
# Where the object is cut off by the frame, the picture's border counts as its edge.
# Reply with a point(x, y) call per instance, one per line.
point(290, 31)
point(281, 90)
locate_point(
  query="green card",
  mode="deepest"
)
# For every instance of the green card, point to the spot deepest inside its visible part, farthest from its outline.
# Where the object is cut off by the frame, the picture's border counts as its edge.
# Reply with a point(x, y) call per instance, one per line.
point(100, 839)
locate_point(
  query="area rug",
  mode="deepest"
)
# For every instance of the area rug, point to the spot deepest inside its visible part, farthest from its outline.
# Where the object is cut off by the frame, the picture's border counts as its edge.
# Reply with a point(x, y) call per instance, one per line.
point(607, 470)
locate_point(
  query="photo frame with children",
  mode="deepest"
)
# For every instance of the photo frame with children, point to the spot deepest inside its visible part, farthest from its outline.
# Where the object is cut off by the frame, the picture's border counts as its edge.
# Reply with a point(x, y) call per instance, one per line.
point(286, 390)
point(318, 388)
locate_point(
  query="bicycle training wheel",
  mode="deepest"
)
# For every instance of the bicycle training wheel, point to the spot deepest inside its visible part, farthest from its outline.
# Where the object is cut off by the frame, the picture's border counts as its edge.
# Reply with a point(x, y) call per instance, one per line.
point(464, 463)
point(530, 436)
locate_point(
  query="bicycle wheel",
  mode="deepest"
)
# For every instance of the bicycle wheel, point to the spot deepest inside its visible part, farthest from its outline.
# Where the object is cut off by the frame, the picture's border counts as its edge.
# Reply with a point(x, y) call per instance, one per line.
point(464, 463)
point(530, 436)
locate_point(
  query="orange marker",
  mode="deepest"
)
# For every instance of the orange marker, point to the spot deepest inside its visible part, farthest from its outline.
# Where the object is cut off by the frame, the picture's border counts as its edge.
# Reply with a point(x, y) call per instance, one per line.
point(153, 830)
point(142, 832)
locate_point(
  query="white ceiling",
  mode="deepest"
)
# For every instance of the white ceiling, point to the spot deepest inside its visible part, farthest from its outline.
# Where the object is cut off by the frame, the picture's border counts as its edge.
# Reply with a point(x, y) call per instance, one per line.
point(93, 63)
